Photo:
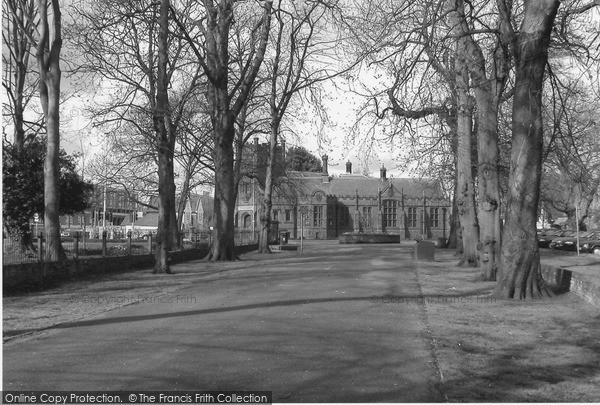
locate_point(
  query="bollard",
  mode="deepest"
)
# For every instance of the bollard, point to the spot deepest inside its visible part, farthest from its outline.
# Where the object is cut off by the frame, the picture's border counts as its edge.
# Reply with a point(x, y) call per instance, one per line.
point(150, 244)
point(424, 250)
point(104, 234)
point(76, 245)
point(129, 243)
point(41, 247)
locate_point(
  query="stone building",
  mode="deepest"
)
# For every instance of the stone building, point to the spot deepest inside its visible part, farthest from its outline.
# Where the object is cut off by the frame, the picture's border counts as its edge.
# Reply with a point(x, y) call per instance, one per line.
point(198, 213)
point(321, 206)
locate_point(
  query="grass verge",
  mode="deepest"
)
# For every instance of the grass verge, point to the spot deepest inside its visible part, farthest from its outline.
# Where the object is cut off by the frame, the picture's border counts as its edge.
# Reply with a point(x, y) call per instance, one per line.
point(510, 351)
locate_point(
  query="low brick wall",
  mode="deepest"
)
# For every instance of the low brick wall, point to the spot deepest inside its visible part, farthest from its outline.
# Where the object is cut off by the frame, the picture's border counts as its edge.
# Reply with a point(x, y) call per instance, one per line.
point(37, 275)
point(562, 280)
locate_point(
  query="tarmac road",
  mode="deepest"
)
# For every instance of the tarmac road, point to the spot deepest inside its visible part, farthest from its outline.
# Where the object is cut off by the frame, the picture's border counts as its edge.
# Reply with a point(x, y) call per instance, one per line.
point(335, 323)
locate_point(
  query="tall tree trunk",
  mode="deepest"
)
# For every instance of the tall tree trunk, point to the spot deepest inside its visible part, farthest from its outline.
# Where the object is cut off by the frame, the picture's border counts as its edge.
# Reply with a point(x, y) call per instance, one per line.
point(488, 183)
point(520, 276)
point(453, 234)
point(167, 234)
point(487, 89)
point(465, 202)
point(223, 242)
point(454, 237)
point(165, 142)
point(265, 217)
point(223, 110)
point(163, 240)
point(48, 58)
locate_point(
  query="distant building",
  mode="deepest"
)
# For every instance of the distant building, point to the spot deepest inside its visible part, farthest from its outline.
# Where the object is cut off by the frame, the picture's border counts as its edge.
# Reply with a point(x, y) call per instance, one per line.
point(197, 216)
point(324, 206)
point(120, 209)
point(198, 213)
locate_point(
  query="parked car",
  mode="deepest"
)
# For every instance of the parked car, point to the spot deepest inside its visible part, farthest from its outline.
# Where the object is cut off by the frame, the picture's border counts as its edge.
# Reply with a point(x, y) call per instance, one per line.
point(569, 240)
point(590, 246)
point(147, 235)
point(546, 237)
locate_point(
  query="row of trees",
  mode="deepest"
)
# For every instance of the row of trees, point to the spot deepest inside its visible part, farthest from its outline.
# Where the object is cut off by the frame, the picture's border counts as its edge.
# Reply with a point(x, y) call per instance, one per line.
point(180, 87)
point(184, 85)
point(475, 73)
point(33, 30)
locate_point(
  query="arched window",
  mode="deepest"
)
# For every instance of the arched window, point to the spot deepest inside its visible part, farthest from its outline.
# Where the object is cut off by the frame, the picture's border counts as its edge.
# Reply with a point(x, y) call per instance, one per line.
point(390, 213)
point(247, 221)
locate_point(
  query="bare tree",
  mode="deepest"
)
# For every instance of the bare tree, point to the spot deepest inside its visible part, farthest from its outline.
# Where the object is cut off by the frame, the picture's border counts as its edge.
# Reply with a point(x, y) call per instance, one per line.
point(520, 262)
point(430, 98)
point(155, 83)
point(300, 60)
point(520, 276)
point(227, 94)
point(571, 171)
point(165, 142)
point(49, 45)
point(465, 194)
point(19, 26)
point(489, 73)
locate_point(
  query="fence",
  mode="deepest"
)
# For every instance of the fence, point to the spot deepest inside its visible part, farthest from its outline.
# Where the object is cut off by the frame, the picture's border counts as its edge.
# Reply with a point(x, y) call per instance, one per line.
point(78, 247)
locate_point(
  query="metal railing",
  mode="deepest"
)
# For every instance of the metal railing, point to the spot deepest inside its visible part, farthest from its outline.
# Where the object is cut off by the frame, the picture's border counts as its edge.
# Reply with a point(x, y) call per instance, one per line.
point(78, 247)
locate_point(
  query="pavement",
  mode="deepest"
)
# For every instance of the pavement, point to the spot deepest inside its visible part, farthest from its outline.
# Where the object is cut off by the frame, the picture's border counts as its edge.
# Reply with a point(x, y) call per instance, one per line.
point(311, 326)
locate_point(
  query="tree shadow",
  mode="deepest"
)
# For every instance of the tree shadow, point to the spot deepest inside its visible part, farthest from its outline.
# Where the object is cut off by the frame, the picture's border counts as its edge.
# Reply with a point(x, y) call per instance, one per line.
point(382, 299)
point(515, 374)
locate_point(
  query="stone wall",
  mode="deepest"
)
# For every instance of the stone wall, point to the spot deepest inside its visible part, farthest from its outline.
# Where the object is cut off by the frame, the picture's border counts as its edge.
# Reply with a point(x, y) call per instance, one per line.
point(368, 238)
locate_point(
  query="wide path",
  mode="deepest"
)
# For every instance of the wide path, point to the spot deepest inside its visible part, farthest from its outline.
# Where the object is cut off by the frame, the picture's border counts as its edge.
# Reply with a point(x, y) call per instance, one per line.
point(313, 326)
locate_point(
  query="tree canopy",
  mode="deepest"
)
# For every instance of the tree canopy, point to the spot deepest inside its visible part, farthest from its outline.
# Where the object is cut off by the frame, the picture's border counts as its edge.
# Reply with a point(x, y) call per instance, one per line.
point(298, 158)
point(23, 185)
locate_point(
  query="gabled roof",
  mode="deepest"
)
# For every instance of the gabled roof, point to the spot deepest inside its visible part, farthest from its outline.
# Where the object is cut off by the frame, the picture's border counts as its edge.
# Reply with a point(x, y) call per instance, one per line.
point(150, 219)
point(193, 201)
point(350, 185)
point(208, 205)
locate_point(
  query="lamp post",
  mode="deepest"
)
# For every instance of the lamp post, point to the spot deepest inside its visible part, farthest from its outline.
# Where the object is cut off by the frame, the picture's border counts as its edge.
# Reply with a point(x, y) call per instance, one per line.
point(104, 209)
point(424, 217)
point(303, 212)
point(577, 199)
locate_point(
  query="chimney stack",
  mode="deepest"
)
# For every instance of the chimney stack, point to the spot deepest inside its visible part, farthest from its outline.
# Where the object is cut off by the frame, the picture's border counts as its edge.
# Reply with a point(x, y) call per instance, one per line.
point(349, 167)
point(382, 172)
point(325, 173)
point(256, 159)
